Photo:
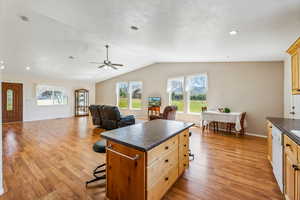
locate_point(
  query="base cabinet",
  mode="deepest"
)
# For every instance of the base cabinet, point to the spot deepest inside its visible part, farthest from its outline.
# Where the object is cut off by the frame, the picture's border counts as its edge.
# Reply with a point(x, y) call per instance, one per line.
point(291, 170)
point(298, 184)
point(290, 179)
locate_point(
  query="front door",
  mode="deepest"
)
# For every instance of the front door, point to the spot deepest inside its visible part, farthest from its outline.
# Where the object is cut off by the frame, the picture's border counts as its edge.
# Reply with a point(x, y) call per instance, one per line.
point(12, 102)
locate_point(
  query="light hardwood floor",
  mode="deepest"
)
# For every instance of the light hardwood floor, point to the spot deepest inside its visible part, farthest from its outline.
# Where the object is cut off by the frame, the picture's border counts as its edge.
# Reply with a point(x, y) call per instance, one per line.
point(52, 159)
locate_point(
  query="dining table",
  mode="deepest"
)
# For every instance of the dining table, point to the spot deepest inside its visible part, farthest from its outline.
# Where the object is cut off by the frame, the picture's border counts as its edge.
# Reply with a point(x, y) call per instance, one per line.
point(217, 116)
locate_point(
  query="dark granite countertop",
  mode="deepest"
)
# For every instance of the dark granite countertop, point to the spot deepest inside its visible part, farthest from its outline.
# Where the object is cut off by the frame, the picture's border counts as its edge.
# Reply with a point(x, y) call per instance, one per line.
point(286, 125)
point(145, 136)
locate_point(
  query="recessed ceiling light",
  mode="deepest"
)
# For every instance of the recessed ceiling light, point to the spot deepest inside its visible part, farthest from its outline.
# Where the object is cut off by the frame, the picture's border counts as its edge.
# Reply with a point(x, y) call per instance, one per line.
point(233, 32)
point(2, 67)
point(134, 28)
point(27, 68)
point(1, 62)
point(24, 18)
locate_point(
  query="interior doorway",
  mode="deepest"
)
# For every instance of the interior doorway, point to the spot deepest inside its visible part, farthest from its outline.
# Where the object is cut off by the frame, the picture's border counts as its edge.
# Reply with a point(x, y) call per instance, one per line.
point(12, 102)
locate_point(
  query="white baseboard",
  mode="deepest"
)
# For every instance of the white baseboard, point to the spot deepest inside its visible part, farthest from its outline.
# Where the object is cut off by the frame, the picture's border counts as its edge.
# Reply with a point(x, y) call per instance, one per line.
point(256, 135)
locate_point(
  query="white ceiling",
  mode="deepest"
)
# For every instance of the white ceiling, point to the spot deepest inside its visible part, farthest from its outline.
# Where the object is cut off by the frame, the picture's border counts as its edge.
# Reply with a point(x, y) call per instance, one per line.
point(169, 31)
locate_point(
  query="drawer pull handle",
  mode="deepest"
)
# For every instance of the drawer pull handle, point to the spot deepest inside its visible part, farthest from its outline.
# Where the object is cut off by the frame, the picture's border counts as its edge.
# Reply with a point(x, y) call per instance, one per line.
point(184, 164)
point(184, 135)
point(287, 145)
point(184, 155)
point(136, 157)
point(295, 167)
point(167, 178)
point(184, 145)
point(166, 147)
point(166, 160)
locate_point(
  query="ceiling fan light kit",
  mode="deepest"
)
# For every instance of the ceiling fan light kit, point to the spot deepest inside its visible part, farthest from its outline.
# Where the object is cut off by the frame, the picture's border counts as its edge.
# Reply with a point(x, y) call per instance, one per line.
point(107, 64)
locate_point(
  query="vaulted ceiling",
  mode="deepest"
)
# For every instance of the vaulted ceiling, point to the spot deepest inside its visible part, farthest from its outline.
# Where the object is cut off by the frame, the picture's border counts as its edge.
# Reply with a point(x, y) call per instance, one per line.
point(169, 31)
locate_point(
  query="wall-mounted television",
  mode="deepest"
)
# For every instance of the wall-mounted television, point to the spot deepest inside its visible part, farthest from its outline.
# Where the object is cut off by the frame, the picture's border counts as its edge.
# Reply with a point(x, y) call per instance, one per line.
point(154, 101)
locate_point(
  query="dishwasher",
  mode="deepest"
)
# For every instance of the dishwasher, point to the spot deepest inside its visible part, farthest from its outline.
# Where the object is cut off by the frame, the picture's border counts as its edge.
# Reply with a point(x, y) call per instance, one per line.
point(277, 155)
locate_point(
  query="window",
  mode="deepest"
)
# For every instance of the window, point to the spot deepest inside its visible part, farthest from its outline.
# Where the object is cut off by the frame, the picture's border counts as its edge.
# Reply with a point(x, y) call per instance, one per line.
point(10, 100)
point(51, 95)
point(135, 95)
point(176, 93)
point(196, 87)
point(122, 95)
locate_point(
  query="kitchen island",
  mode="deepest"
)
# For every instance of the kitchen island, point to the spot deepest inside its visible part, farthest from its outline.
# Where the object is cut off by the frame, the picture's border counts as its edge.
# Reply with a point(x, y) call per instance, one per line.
point(144, 160)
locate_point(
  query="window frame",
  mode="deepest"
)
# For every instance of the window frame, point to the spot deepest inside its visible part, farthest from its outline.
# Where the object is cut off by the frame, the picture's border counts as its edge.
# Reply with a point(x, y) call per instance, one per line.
point(118, 96)
point(130, 95)
point(9, 101)
point(181, 78)
point(53, 88)
point(188, 93)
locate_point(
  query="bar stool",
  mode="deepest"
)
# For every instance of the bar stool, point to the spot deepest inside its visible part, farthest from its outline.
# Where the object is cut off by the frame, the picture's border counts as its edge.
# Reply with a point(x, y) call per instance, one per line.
point(191, 155)
point(99, 172)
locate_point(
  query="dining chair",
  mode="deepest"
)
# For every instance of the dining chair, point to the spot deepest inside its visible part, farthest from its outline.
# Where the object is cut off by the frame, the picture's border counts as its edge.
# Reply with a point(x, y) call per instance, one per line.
point(214, 123)
point(230, 126)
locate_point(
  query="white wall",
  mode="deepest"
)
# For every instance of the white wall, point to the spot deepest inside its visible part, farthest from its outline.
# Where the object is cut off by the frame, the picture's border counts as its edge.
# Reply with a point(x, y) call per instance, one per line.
point(31, 111)
point(252, 87)
point(287, 87)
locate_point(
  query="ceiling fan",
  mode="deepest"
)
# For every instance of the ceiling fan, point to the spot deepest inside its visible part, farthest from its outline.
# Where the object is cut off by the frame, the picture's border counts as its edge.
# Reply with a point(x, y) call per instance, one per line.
point(107, 63)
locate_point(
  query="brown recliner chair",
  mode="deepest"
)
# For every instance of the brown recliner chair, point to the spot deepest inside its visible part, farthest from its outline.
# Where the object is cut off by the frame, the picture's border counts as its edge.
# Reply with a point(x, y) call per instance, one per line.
point(96, 114)
point(169, 114)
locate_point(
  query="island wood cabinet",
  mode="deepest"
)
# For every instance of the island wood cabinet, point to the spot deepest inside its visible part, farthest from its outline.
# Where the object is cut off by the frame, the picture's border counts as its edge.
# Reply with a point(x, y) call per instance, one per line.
point(139, 175)
point(294, 51)
point(269, 137)
point(291, 169)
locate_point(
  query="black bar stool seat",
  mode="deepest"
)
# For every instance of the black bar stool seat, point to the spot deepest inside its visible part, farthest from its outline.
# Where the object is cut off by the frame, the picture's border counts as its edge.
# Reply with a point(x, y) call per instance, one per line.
point(99, 172)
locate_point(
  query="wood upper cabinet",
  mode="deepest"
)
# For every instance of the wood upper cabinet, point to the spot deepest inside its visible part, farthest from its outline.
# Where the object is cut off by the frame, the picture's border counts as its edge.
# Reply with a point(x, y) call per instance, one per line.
point(270, 138)
point(294, 51)
point(291, 170)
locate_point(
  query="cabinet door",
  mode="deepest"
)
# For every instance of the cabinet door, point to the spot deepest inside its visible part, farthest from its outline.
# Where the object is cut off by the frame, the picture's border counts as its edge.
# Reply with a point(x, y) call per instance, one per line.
point(269, 129)
point(298, 184)
point(289, 177)
point(295, 72)
point(125, 173)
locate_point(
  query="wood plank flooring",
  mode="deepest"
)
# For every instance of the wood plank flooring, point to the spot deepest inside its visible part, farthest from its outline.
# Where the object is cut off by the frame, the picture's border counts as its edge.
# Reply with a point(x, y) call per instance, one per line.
point(52, 159)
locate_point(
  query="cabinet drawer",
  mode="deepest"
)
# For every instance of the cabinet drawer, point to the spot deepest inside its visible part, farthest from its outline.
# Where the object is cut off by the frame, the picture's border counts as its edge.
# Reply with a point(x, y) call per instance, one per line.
point(161, 149)
point(290, 147)
point(162, 185)
point(162, 166)
point(184, 137)
point(183, 164)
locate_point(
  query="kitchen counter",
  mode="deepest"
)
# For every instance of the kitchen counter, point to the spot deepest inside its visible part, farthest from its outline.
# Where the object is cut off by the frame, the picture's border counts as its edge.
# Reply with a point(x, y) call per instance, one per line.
point(145, 136)
point(286, 125)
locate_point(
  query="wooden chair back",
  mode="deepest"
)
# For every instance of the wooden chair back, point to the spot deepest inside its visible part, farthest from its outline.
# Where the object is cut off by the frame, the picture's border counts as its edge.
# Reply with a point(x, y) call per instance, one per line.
point(243, 119)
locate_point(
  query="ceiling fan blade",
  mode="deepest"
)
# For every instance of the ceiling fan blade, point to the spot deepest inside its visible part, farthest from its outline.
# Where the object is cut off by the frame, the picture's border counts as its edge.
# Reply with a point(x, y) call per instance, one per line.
point(96, 62)
point(101, 66)
point(113, 67)
point(120, 65)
